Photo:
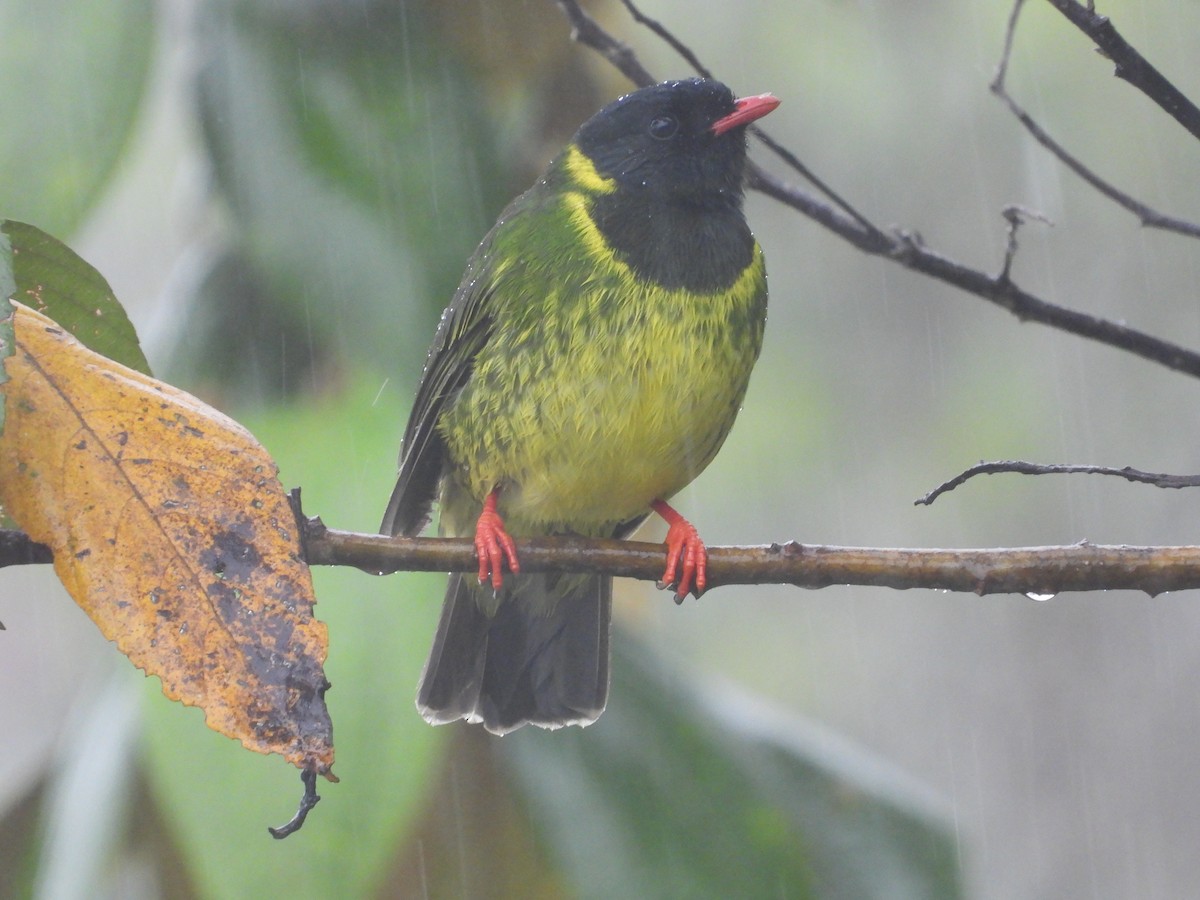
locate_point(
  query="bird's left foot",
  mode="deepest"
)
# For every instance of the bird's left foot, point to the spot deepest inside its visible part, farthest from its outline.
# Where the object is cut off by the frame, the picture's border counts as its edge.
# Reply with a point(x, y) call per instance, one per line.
point(493, 545)
point(687, 557)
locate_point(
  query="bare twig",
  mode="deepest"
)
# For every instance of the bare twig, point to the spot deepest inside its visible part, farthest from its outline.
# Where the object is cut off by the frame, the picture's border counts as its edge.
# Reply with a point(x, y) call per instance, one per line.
point(1020, 467)
point(1149, 217)
point(587, 31)
point(673, 42)
point(310, 799)
point(758, 179)
point(901, 246)
point(1130, 65)
point(1016, 216)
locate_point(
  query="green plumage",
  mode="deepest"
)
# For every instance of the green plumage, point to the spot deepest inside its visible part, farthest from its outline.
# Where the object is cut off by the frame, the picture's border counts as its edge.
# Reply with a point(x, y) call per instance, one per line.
point(592, 361)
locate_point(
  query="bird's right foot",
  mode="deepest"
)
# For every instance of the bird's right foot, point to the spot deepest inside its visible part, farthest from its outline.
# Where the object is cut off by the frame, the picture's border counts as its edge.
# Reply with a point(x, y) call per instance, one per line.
point(493, 545)
point(687, 557)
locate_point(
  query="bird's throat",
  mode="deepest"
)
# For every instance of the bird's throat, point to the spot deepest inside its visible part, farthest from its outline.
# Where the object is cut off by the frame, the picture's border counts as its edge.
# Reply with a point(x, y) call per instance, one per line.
point(675, 243)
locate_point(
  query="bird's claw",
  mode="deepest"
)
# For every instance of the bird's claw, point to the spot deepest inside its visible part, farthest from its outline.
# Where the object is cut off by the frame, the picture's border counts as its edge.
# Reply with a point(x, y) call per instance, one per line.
point(685, 547)
point(493, 546)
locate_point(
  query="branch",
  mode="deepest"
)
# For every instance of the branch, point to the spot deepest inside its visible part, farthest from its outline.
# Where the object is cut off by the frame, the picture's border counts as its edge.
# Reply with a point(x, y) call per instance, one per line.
point(1019, 467)
point(1146, 215)
point(308, 777)
point(1035, 571)
point(903, 247)
point(587, 31)
point(1130, 65)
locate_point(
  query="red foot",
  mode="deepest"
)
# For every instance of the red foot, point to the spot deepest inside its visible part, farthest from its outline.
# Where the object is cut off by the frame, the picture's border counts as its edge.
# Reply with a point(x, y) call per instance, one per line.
point(683, 543)
point(493, 546)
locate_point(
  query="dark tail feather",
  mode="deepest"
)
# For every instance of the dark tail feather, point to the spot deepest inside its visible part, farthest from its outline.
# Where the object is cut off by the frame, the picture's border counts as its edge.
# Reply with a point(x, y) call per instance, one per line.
point(519, 665)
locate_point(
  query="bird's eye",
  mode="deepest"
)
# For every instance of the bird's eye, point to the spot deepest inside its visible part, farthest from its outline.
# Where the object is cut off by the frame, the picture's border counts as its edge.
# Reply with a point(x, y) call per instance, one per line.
point(663, 128)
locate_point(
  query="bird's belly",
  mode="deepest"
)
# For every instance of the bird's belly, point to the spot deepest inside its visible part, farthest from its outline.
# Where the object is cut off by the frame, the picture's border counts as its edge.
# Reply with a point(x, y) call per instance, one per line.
point(584, 436)
point(619, 450)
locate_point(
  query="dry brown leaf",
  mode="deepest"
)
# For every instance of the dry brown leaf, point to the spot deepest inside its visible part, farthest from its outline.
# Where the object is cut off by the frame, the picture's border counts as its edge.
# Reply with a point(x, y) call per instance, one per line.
point(171, 530)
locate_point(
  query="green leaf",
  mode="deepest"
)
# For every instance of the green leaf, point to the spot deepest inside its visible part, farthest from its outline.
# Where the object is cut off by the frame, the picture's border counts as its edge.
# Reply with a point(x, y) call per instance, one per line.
point(52, 279)
point(218, 798)
point(74, 73)
point(678, 793)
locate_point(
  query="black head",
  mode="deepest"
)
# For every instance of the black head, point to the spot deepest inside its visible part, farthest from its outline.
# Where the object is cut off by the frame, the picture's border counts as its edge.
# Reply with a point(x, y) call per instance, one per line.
point(685, 139)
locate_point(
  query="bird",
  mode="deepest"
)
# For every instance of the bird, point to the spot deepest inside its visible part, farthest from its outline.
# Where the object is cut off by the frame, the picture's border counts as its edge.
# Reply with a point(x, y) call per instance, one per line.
point(588, 367)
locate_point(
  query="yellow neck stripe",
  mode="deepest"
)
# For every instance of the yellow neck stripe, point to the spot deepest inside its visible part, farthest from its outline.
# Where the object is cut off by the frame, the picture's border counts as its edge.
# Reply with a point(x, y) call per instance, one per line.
point(582, 171)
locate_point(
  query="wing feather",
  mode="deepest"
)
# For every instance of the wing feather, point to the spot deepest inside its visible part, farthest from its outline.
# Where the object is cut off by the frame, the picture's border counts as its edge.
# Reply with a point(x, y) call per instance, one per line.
point(464, 330)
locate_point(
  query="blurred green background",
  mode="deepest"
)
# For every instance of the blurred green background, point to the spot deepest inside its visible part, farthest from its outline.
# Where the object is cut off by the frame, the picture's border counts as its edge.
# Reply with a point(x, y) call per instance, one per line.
point(283, 194)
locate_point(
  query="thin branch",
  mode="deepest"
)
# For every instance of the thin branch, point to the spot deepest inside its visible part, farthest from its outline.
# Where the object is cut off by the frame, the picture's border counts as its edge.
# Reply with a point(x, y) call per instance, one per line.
point(587, 31)
point(907, 250)
point(1020, 467)
point(1130, 65)
point(903, 247)
point(673, 42)
point(1025, 570)
point(758, 180)
point(308, 776)
point(1016, 216)
point(1149, 217)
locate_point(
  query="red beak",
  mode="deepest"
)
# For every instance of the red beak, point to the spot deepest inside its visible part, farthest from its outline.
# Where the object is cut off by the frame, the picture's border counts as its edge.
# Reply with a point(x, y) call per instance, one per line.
point(745, 111)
